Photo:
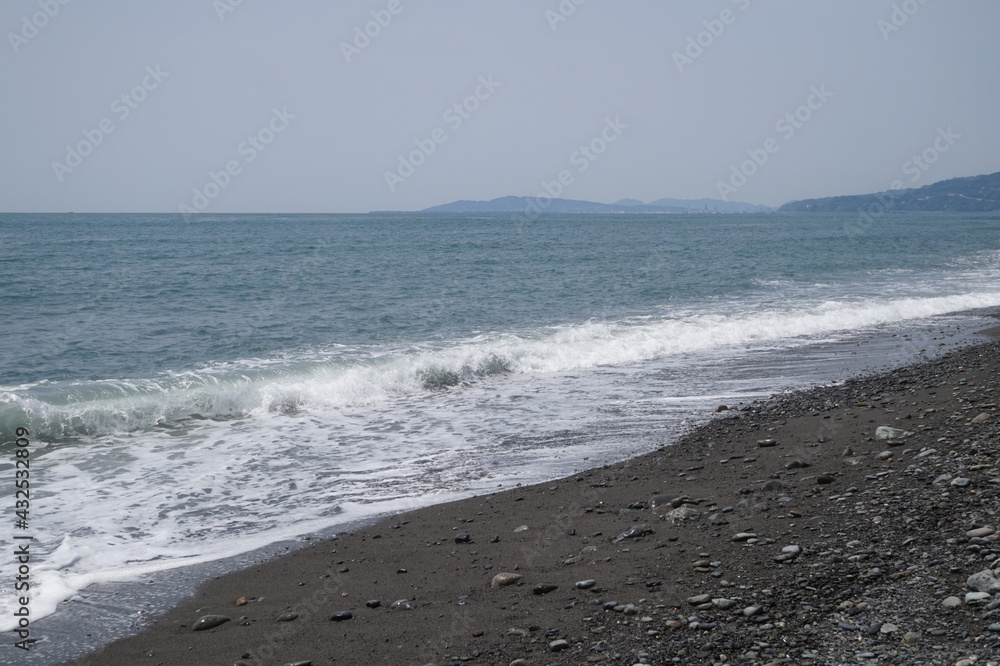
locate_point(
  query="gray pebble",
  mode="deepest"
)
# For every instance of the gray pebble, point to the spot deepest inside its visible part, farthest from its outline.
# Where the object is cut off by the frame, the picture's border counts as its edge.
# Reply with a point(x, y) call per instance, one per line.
point(209, 622)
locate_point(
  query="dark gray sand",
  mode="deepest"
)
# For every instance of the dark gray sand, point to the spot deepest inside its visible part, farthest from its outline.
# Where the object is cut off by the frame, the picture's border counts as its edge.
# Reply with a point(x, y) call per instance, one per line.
point(794, 536)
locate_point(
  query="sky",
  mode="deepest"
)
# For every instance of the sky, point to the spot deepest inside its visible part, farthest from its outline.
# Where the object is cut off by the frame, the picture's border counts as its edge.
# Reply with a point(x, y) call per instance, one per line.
point(310, 106)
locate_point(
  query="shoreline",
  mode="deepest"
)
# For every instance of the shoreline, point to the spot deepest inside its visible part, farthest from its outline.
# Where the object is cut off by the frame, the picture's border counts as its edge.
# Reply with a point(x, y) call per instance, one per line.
point(861, 560)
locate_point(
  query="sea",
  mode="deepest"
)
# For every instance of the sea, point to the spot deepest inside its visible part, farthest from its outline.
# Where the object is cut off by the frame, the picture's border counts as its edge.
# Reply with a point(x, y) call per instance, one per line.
point(196, 391)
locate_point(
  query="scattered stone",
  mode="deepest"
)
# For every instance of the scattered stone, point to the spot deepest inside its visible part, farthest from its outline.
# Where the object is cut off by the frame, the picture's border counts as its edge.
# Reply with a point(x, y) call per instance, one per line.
point(666, 502)
point(979, 532)
point(952, 602)
point(984, 416)
point(505, 579)
point(586, 584)
point(976, 598)
point(463, 537)
point(401, 604)
point(633, 532)
point(559, 645)
point(888, 432)
point(885, 455)
point(520, 528)
point(825, 479)
point(798, 463)
point(764, 443)
point(544, 588)
point(743, 536)
point(242, 601)
point(911, 638)
point(209, 622)
point(700, 599)
point(373, 603)
point(682, 514)
point(340, 616)
point(723, 604)
point(961, 482)
point(288, 617)
point(721, 408)
point(984, 581)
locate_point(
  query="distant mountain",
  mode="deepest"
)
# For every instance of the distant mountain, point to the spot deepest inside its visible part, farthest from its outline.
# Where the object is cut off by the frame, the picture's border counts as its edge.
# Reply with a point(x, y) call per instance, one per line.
point(625, 206)
point(715, 205)
point(974, 194)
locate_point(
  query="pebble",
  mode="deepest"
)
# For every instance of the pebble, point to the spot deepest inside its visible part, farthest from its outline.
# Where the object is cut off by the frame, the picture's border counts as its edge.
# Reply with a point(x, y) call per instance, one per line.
point(544, 588)
point(463, 537)
point(340, 616)
point(888, 432)
point(401, 604)
point(885, 455)
point(520, 528)
point(586, 584)
point(824, 479)
point(961, 482)
point(980, 532)
point(723, 603)
point(505, 579)
point(699, 599)
point(373, 603)
point(952, 602)
point(518, 662)
point(976, 598)
point(984, 416)
point(763, 443)
point(911, 638)
point(634, 532)
point(559, 645)
point(984, 581)
point(743, 536)
point(209, 622)
point(683, 513)
point(288, 617)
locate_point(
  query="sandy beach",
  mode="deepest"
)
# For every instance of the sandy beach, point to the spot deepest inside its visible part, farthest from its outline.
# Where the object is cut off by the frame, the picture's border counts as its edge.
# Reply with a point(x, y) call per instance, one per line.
point(789, 532)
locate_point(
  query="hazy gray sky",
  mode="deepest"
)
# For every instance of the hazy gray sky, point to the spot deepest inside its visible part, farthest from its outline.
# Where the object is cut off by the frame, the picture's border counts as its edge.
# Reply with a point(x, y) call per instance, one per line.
point(292, 107)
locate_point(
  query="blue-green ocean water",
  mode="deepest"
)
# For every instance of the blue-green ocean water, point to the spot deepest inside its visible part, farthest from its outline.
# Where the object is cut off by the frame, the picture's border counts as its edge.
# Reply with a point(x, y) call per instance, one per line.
point(196, 388)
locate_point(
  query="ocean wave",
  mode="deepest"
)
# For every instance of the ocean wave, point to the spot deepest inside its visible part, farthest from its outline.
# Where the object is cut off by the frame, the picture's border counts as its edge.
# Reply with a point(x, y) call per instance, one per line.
point(56, 411)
